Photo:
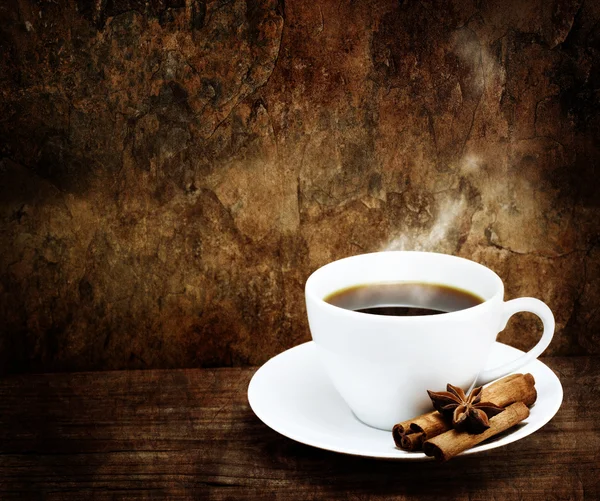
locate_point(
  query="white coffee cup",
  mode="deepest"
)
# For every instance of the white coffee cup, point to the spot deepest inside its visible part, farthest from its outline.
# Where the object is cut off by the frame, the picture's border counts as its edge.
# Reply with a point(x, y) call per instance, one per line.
point(383, 365)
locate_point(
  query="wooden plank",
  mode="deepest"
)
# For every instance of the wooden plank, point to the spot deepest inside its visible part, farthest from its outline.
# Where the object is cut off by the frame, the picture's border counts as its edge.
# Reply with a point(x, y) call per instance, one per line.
point(190, 434)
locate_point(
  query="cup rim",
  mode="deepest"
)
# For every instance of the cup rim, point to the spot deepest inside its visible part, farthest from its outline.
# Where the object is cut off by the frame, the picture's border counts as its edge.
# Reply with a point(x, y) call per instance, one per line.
point(310, 294)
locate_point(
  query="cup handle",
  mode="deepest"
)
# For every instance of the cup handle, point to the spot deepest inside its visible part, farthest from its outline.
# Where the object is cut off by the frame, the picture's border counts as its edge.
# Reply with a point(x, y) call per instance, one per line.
point(511, 307)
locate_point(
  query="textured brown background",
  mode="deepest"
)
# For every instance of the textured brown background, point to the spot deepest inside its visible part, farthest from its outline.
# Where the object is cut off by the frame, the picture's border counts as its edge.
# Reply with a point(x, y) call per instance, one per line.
point(171, 171)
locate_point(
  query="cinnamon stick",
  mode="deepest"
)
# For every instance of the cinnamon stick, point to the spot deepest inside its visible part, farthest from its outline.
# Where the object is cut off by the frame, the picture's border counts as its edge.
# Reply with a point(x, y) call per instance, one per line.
point(432, 424)
point(505, 391)
point(449, 444)
point(412, 441)
point(517, 389)
point(400, 430)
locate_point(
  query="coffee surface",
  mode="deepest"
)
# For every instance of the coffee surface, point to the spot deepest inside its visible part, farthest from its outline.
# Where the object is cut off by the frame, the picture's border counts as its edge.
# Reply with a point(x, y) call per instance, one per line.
point(403, 298)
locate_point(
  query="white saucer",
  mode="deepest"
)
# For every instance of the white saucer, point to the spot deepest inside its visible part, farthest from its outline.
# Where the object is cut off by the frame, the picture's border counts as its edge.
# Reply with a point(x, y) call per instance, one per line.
point(292, 395)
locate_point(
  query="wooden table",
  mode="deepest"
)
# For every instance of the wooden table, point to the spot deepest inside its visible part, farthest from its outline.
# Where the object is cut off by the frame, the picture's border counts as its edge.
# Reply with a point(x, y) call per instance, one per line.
point(190, 434)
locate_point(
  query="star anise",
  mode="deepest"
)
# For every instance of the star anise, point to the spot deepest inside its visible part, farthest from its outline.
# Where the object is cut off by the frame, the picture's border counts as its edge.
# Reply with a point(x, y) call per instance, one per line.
point(467, 412)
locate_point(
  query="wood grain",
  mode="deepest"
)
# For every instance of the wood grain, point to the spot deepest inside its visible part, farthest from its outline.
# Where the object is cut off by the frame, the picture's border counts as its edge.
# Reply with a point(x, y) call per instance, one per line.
point(190, 434)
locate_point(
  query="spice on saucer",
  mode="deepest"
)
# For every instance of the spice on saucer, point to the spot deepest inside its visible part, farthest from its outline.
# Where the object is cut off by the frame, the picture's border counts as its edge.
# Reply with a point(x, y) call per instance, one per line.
point(412, 441)
point(467, 412)
point(473, 413)
point(453, 442)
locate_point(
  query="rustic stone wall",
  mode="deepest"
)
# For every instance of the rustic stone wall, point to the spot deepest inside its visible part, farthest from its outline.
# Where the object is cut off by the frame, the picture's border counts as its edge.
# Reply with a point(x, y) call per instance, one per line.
point(171, 171)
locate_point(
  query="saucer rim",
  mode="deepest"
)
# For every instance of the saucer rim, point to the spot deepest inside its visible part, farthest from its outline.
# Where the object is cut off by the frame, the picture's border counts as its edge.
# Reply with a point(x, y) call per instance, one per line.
point(397, 454)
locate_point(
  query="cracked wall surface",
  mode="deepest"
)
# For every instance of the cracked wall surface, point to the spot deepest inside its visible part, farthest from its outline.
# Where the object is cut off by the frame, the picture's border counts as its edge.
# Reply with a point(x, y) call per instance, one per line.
point(172, 171)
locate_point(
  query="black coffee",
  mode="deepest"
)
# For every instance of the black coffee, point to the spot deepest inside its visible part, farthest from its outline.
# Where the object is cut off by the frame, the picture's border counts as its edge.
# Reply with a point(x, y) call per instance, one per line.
point(403, 298)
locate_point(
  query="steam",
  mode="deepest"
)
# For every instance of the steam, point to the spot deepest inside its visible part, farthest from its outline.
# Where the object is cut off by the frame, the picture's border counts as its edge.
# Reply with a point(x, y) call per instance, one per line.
point(453, 208)
point(470, 163)
point(434, 238)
